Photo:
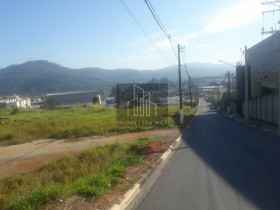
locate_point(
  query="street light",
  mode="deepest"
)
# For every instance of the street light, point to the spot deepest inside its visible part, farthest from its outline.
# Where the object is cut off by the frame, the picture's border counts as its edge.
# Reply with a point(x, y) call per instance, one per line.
point(228, 83)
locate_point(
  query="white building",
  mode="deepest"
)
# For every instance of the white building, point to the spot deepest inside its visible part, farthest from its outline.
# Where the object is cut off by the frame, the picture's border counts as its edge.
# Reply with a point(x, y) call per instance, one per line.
point(14, 102)
point(173, 100)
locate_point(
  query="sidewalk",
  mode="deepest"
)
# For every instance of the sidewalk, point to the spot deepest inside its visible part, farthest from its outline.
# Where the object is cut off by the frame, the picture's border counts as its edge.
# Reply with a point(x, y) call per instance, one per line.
point(255, 123)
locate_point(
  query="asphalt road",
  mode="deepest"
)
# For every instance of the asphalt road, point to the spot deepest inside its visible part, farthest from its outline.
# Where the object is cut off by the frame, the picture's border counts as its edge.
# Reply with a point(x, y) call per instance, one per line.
point(221, 164)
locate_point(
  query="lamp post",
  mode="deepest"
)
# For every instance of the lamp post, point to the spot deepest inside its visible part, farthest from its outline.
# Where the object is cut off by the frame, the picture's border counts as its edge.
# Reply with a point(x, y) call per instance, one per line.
point(228, 103)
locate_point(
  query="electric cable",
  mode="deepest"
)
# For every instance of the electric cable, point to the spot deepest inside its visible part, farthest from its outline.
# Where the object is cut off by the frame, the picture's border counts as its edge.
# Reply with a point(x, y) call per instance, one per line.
point(159, 22)
point(142, 29)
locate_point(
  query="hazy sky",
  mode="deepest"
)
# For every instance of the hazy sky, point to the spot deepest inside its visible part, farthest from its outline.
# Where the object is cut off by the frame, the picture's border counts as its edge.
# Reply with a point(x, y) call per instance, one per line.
point(99, 33)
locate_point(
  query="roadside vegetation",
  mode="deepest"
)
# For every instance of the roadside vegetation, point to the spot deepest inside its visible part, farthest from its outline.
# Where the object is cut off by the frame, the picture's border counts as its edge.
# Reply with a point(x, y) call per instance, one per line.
point(93, 173)
point(25, 125)
point(218, 100)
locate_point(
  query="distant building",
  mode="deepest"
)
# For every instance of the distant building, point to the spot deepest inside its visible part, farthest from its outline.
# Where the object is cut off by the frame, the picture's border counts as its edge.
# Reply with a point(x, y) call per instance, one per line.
point(173, 100)
point(212, 89)
point(37, 103)
point(14, 102)
point(110, 101)
point(77, 99)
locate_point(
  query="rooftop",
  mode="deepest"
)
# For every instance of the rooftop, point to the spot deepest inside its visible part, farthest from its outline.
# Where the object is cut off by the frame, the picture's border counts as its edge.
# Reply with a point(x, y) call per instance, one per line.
point(75, 92)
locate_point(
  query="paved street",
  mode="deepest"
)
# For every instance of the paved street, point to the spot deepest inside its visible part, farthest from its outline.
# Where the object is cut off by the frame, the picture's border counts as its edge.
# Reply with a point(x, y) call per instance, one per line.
point(221, 164)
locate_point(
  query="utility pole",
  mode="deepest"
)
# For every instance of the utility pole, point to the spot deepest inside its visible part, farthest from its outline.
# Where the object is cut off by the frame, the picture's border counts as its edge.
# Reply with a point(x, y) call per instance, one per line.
point(279, 101)
point(273, 7)
point(197, 98)
point(190, 89)
point(228, 92)
point(232, 82)
point(246, 87)
point(180, 88)
point(218, 98)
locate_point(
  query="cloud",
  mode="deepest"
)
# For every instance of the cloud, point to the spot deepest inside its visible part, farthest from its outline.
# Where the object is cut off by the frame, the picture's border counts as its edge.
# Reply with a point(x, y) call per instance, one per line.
point(227, 18)
point(164, 43)
point(242, 13)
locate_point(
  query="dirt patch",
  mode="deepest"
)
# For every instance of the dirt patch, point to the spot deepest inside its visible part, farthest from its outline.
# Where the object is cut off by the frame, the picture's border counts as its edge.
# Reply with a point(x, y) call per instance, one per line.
point(28, 157)
point(157, 147)
point(152, 153)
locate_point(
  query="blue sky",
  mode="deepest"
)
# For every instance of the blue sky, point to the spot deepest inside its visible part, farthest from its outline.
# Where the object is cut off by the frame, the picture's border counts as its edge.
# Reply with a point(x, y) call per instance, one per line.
point(98, 33)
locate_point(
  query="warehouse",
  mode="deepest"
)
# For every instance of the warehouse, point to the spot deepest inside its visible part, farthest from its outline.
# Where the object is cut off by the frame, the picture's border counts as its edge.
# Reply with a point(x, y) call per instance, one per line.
point(76, 99)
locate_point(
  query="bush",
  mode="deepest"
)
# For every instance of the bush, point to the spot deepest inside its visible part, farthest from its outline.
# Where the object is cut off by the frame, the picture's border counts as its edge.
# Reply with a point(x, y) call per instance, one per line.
point(14, 111)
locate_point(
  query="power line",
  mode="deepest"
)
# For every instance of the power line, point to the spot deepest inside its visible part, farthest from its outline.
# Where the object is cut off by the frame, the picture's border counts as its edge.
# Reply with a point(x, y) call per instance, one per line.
point(151, 8)
point(142, 29)
point(156, 17)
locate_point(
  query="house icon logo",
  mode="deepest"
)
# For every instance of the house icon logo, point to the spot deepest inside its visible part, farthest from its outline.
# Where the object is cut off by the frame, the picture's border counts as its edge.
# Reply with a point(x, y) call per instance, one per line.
point(141, 104)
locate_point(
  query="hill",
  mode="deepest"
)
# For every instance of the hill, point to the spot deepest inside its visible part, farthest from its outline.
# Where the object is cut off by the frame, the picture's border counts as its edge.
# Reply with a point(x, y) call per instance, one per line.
point(40, 77)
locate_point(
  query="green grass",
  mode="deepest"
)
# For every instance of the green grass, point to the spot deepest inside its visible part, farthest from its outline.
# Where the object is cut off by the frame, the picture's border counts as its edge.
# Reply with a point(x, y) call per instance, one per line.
point(218, 96)
point(130, 185)
point(28, 124)
point(143, 142)
point(91, 174)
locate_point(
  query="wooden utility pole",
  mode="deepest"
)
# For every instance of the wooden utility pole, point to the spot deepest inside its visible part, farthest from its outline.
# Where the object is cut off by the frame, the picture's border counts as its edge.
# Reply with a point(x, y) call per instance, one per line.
point(180, 88)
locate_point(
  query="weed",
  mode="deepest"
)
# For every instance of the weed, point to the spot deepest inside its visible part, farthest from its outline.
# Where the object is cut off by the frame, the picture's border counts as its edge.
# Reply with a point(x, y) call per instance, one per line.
point(14, 111)
point(27, 125)
point(91, 174)
point(130, 185)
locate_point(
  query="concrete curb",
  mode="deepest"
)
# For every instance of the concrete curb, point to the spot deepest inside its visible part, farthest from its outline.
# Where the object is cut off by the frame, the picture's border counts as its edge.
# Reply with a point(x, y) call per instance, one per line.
point(135, 190)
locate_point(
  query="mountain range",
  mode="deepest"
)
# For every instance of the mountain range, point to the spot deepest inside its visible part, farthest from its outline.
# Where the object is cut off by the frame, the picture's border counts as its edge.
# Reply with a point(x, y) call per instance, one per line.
point(40, 77)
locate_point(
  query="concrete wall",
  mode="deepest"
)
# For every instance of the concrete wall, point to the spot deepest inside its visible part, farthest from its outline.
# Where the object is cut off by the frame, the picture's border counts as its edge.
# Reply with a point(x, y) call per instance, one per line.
point(263, 60)
point(264, 108)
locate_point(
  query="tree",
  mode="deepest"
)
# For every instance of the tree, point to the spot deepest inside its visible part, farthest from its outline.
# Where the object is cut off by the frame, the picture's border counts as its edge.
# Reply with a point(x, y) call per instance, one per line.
point(51, 103)
point(95, 100)
point(154, 80)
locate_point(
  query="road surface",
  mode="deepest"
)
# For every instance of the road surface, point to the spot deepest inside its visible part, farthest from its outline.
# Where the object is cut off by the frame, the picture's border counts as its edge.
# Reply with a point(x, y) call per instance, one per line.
point(221, 164)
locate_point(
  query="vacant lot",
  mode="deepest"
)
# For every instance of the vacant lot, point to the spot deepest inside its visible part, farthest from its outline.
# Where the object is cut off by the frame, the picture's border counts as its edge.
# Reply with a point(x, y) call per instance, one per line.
point(27, 125)
point(28, 157)
point(91, 174)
